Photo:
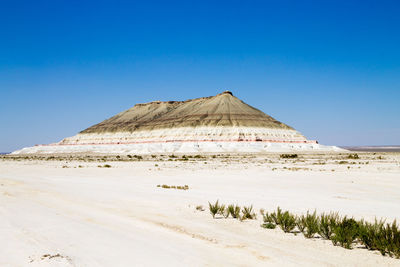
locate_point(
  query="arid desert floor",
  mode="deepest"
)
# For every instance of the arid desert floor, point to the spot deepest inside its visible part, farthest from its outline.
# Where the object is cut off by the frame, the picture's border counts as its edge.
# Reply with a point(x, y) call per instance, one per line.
point(96, 210)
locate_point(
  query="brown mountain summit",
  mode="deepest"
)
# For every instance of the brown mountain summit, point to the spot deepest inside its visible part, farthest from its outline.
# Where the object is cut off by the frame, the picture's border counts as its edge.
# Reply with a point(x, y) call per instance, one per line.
point(221, 110)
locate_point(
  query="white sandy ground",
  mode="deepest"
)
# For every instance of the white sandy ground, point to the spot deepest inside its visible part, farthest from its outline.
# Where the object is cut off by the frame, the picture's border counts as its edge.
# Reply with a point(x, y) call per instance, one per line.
point(117, 216)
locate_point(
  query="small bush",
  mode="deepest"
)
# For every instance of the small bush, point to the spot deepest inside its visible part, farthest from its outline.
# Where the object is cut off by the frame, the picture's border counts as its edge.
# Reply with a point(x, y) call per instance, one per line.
point(371, 235)
point(268, 218)
point(288, 222)
point(200, 208)
point(276, 217)
point(234, 211)
point(345, 232)
point(393, 237)
point(221, 210)
point(268, 225)
point(214, 208)
point(327, 222)
point(285, 220)
point(311, 224)
point(384, 238)
point(106, 166)
point(247, 213)
point(301, 223)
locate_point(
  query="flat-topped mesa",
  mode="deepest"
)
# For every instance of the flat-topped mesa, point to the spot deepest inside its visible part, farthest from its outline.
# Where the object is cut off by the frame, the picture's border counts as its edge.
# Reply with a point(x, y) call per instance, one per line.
point(222, 117)
point(221, 110)
point(220, 123)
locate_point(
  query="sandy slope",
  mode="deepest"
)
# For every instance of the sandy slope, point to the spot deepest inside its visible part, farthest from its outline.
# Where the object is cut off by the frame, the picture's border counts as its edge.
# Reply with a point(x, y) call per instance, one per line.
point(94, 216)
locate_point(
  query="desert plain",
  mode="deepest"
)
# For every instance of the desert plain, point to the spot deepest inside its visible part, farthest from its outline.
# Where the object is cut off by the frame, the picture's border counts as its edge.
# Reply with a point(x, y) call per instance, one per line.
point(111, 210)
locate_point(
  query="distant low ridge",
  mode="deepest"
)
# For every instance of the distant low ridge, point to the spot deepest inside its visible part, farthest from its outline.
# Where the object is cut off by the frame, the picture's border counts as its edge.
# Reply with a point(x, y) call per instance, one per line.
point(221, 123)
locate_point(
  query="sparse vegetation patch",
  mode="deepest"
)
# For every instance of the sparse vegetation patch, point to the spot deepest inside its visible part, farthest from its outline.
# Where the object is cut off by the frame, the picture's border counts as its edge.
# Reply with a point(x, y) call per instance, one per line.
point(353, 156)
point(288, 156)
point(342, 231)
point(180, 187)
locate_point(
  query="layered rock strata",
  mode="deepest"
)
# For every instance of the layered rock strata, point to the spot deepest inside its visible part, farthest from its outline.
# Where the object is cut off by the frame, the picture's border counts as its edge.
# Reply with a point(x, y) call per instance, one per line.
point(220, 123)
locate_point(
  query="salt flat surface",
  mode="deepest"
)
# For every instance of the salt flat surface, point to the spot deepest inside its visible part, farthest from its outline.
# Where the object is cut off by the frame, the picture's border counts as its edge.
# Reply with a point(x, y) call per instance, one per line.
point(91, 216)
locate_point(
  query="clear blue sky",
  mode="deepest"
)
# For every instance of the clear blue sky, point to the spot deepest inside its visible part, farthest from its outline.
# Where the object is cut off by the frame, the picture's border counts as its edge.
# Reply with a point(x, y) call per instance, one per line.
point(330, 69)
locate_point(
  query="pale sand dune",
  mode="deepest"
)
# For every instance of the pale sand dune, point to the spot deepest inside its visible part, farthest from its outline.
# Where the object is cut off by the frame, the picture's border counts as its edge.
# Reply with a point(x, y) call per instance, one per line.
point(94, 216)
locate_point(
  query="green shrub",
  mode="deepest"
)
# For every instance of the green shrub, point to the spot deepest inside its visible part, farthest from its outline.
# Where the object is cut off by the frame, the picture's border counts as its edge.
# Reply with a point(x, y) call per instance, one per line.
point(199, 208)
point(311, 224)
point(214, 208)
point(393, 236)
point(247, 213)
point(221, 210)
point(371, 235)
point(288, 221)
point(385, 238)
point(285, 220)
point(276, 216)
point(301, 223)
point(345, 232)
point(234, 211)
point(268, 218)
point(268, 225)
point(327, 222)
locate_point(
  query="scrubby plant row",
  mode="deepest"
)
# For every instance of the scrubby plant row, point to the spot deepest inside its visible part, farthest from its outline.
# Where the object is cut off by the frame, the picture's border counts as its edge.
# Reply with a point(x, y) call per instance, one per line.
point(104, 166)
point(342, 231)
point(183, 187)
point(232, 210)
point(288, 156)
point(353, 156)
